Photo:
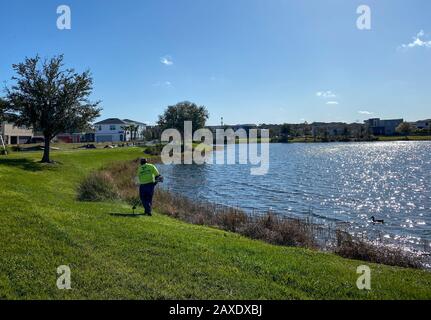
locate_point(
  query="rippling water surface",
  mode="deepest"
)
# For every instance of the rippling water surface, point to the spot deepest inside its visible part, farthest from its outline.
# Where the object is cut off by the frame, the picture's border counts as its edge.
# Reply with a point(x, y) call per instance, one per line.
point(337, 182)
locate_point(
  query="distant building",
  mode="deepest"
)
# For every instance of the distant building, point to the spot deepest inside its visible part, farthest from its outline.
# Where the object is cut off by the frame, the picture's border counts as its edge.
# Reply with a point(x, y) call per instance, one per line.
point(422, 124)
point(15, 135)
point(76, 137)
point(235, 127)
point(117, 130)
point(380, 127)
point(329, 129)
point(138, 130)
point(247, 126)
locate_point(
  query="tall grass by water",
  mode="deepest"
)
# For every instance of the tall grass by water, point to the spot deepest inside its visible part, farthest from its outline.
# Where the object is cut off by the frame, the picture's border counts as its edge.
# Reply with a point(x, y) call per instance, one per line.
point(117, 181)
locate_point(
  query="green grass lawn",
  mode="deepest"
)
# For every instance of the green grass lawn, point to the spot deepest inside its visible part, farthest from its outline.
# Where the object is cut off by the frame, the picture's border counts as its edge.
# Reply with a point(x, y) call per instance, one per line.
point(402, 138)
point(116, 256)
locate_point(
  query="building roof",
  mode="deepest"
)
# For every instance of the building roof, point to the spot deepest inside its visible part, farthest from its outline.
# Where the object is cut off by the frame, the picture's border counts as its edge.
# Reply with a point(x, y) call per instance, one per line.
point(111, 121)
point(134, 122)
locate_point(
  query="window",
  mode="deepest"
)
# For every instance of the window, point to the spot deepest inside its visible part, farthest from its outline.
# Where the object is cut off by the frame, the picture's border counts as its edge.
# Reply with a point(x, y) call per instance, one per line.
point(100, 128)
point(112, 127)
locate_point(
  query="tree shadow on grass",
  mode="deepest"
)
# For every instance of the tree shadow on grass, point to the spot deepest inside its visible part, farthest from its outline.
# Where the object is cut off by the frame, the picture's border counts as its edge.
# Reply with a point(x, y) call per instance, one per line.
point(127, 215)
point(24, 164)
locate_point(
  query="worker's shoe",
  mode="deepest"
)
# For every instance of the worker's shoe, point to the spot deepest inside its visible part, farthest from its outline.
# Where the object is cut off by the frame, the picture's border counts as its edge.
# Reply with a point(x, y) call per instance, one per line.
point(148, 214)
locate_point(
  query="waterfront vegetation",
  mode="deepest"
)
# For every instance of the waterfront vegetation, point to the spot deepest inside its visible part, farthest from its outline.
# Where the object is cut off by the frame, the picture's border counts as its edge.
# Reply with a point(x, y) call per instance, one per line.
point(116, 182)
point(404, 138)
point(114, 254)
point(310, 139)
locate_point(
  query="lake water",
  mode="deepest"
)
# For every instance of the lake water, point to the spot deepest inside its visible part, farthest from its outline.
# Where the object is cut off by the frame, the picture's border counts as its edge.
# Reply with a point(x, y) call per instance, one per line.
point(333, 183)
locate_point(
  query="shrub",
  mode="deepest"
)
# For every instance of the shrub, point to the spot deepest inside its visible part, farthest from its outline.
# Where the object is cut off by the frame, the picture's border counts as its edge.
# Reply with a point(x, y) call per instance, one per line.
point(281, 231)
point(97, 186)
point(16, 148)
point(353, 248)
point(6, 151)
point(154, 150)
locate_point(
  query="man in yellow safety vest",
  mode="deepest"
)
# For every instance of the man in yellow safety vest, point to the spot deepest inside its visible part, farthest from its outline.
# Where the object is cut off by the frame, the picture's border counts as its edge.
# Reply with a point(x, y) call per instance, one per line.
point(148, 176)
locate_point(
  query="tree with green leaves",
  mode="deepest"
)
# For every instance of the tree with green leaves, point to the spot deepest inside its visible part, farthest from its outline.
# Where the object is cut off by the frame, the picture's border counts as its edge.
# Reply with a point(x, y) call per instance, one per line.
point(3, 106)
point(285, 132)
point(404, 128)
point(51, 99)
point(306, 130)
point(346, 133)
point(151, 133)
point(174, 116)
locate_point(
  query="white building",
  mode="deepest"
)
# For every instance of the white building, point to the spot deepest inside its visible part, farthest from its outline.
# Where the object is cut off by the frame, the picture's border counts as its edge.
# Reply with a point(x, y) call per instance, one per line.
point(14, 135)
point(136, 131)
point(117, 130)
point(423, 124)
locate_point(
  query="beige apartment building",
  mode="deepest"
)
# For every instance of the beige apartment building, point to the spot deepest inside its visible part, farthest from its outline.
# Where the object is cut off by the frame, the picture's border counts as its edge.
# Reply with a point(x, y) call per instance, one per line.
point(14, 135)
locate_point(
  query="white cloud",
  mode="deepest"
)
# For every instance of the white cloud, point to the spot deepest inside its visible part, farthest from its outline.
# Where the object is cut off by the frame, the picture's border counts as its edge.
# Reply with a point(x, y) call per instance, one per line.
point(418, 41)
point(167, 60)
point(364, 112)
point(164, 84)
point(332, 102)
point(326, 94)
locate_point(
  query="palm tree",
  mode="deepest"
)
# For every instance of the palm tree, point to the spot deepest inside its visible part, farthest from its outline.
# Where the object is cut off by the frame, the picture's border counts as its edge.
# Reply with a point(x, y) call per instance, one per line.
point(135, 129)
point(126, 130)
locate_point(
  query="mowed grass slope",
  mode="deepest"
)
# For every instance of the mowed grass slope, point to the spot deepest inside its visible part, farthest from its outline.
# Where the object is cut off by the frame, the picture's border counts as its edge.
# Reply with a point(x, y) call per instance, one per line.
point(43, 226)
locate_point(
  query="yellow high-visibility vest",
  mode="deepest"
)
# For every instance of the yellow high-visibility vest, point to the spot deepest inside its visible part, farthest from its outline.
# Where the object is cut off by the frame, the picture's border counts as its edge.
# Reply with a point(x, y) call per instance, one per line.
point(147, 173)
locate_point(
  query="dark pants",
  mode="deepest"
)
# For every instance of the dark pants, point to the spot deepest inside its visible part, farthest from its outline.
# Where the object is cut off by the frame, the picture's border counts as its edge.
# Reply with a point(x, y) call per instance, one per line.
point(146, 192)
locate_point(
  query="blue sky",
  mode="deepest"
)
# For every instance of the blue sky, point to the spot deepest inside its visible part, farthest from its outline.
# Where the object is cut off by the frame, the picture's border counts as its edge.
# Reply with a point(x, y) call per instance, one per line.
point(250, 61)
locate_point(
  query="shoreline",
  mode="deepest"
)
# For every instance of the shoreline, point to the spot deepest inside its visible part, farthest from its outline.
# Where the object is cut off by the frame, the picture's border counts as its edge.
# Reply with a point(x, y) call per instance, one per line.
point(327, 230)
point(270, 227)
point(312, 140)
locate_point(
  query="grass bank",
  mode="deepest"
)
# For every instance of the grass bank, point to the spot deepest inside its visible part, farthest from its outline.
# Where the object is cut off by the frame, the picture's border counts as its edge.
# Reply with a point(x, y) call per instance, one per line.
point(114, 255)
point(402, 138)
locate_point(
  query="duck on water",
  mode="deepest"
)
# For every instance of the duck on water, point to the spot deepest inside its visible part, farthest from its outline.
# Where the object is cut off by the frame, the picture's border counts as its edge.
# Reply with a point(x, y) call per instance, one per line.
point(377, 220)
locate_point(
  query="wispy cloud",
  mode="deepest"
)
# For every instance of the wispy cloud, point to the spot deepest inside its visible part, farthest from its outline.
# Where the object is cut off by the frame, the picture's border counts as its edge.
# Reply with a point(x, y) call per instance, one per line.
point(163, 84)
point(364, 112)
point(418, 41)
point(326, 94)
point(167, 60)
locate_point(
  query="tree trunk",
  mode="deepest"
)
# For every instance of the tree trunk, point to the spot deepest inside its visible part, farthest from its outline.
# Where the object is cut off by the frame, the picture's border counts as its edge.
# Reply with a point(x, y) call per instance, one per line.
point(46, 150)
